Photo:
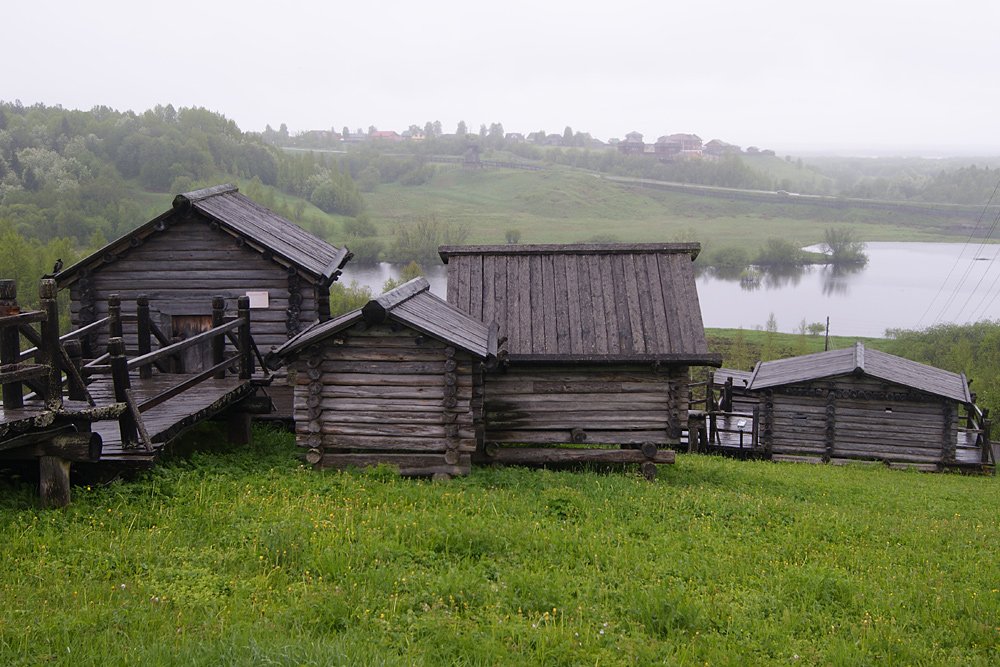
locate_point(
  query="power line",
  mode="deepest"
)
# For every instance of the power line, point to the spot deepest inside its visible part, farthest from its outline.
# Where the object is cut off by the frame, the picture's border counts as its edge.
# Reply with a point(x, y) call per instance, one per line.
point(975, 289)
point(979, 220)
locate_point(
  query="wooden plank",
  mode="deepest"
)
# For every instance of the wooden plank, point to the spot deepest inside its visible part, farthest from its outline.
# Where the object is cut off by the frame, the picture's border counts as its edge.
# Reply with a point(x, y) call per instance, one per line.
point(574, 299)
point(605, 327)
point(590, 320)
point(563, 436)
point(526, 314)
point(635, 315)
point(513, 302)
point(659, 316)
point(377, 443)
point(476, 288)
point(674, 337)
point(549, 289)
point(622, 315)
point(489, 291)
point(535, 287)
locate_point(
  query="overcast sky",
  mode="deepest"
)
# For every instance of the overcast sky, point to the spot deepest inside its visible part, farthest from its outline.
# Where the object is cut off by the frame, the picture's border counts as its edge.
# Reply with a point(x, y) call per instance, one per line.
point(852, 76)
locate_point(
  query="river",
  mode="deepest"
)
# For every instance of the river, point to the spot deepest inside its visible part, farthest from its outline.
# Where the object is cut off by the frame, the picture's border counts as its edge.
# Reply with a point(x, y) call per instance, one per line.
point(904, 285)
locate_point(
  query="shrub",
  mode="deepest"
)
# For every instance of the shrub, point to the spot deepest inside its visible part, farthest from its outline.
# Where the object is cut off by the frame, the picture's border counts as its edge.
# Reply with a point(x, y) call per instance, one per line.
point(730, 257)
point(843, 247)
point(361, 226)
point(512, 236)
point(419, 241)
point(780, 252)
point(366, 250)
point(345, 298)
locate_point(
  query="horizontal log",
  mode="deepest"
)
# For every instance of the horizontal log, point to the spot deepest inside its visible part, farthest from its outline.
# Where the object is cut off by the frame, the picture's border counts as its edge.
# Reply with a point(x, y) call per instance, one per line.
point(67, 446)
point(500, 402)
point(563, 436)
point(388, 419)
point(398, 431)
point(377, 405)
point(392, 393)
point(542, 455)
point(352, 352)
point(390, 444)
point(21, 372)
point(585, 422)
point(370, 380)
point(401, 367)
point(410, 465)
point(792, 458)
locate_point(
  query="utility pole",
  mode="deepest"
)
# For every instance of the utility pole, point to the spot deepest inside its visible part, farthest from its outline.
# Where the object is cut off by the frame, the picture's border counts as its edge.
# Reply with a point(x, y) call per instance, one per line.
point(826, 339)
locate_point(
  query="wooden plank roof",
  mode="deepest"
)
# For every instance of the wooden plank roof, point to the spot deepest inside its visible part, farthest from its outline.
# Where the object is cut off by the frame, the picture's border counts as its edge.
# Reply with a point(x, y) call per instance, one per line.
point(260, 228)
point(861, 361)
point(413, 305)
point(584, 302)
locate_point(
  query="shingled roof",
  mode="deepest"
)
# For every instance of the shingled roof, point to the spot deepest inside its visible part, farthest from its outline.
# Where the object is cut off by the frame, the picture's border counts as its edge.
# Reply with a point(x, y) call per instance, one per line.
point(584, 302)
point(260, 228)
point(411, 304)
point(861, 361)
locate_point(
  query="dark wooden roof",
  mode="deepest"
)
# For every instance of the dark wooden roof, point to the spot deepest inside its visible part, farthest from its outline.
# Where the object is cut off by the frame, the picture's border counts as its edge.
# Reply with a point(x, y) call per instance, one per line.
point(585, 302)
point(861, 361)
point(260, 228)
point(740, 378)
point(413, 305)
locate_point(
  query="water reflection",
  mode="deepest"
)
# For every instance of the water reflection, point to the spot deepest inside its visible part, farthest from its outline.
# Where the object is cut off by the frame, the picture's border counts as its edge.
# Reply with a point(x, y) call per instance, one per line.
point(835, 278)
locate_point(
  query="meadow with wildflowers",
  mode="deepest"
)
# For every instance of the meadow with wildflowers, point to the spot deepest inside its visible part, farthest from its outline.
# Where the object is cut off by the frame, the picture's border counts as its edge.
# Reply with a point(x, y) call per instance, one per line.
point(243, 556)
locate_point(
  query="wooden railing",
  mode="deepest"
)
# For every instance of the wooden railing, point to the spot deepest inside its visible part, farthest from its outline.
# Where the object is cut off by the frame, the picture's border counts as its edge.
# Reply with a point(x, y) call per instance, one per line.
point(50, 356)
point(116, 363)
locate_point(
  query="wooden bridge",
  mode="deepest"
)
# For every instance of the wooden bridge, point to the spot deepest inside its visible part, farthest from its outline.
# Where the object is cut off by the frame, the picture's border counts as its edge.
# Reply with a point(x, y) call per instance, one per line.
point(112, 411)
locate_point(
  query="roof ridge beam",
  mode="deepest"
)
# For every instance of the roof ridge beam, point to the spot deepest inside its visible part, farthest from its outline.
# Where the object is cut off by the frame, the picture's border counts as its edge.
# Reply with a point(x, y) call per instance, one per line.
point(378, 309)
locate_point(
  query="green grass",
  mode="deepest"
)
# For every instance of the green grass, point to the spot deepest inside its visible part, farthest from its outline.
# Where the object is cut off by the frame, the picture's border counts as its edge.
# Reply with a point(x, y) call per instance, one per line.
point(245, 557)
point(562, 205)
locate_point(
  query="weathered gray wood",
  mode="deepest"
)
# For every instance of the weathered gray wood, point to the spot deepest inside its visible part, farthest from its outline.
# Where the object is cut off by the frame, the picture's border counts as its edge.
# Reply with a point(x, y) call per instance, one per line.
point(53, 481)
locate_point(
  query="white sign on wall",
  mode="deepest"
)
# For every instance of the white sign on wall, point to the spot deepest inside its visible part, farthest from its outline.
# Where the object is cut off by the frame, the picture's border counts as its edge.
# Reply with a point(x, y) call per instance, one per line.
point(258, 300)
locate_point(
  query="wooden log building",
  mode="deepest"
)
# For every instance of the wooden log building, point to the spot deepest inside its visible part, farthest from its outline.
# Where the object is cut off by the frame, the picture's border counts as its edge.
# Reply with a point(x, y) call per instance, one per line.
point(399, 381)
point(858, 403)
point(600, 340)
point(212, 242)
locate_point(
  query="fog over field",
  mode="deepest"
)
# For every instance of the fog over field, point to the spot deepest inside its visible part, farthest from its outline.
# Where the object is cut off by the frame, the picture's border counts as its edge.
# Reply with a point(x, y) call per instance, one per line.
point(872, 78)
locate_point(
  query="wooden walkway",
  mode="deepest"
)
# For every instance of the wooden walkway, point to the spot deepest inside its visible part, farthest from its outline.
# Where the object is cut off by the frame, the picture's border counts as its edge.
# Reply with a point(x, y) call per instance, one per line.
point(166, 421)
point(113, 412)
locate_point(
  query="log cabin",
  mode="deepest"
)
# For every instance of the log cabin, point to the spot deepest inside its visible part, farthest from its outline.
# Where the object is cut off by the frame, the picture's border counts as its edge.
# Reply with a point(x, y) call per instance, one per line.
point(211, 242)
point(860, 404)
point(399, 381)
point(599, 341)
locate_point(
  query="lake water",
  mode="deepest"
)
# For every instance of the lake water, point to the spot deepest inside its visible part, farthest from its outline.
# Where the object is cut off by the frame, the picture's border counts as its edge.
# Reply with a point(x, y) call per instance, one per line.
point(904, 285)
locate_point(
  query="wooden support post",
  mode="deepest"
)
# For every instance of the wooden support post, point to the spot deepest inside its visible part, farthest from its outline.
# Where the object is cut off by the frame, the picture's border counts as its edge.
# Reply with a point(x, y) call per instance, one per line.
point(238, 432)
point(49, 351)
point(143, 333)
point(53, 481)
point(74, 350)
point(114, 316)
point(246, 342)
point(219, 341)
point(987, 451)
point(10, 344)
point(122, 384)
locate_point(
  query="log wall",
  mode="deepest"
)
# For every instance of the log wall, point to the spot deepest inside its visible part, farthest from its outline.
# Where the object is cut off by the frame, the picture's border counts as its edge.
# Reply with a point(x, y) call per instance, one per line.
point(616, 405)
point(858, 418)
point(387, 394)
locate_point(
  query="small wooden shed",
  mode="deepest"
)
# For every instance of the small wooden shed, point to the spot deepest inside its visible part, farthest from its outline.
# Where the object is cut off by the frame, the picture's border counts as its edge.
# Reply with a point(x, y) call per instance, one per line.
point(399, 381)
point(600, 339)
point(858, 403)
point(211, 242)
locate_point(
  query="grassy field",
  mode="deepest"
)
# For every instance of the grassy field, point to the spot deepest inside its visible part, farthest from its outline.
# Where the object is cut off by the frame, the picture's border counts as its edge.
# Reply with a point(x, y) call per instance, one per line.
point(245, 557)
point(562, 205)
